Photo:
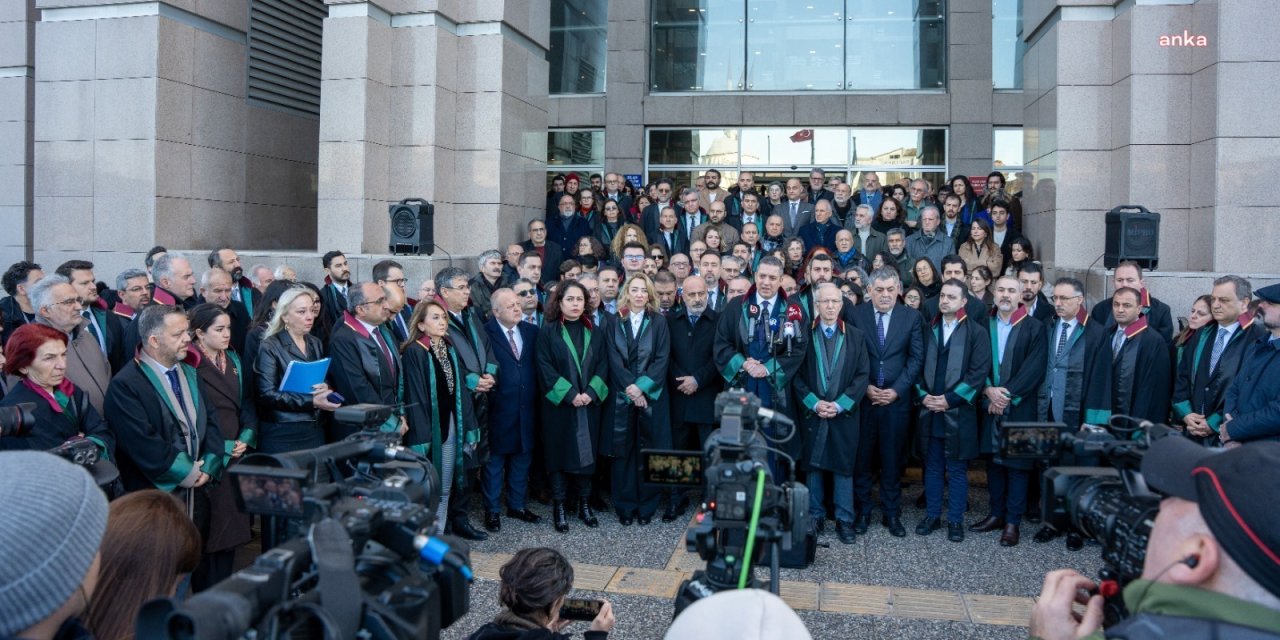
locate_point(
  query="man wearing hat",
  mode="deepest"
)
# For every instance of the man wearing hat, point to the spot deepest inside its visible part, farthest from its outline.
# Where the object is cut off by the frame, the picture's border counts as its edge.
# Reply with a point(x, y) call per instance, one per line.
point(1253, 400)
point(41, 594)
point(1212, 566)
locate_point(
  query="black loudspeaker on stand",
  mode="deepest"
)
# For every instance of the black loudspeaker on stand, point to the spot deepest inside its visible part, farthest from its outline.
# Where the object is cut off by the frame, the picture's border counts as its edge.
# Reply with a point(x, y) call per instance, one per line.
point(1133, 233)
point(412, 227)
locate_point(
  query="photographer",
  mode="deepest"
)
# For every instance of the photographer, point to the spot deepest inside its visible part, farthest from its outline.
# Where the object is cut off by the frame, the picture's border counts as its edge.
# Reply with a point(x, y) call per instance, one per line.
point(1211, 568)
point(42, 594)
point(534, 585)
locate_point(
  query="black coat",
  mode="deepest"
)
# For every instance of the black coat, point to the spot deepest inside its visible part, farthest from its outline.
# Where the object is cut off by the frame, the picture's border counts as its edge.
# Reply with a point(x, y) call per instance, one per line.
point(475, 356)
point(428, 410)
point(54, 425)
point(1044, 311)
point(641, 360)
point(274, 355)
point(968, 363)
point(691, 355)
point(832, 443)
point(1195, 390)
point(361, 372)
point(332, 303)
point(679, 242)
point(553, 255)
point(13, 318)
point(571, 435)
point(1021, 372)
point(513, 401)
point(1088, 393)
point(903, 353)
point(1159, 317)
point(114, 327)
point(150, 448)
point(1142, 376)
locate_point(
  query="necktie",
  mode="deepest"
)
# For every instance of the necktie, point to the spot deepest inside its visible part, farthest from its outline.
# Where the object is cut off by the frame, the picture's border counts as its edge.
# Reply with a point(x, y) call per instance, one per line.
point(386, 353)
point(668, 236)
point(404, 330)
point(1218, 346)
point(172, 375)
point(795, 209)
point(1062, 339)
point(880, 331)
point(693, 319)
point(511, 337)
point(764, 310)
point(692, 223)
point(828, 331)
point(93, 331)
point(1117, 342)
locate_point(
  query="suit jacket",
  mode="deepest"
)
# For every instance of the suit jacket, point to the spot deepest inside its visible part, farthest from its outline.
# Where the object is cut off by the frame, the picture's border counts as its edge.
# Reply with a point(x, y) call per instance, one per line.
point(1196, 389)
point(1253, 399)
point(513, 401)
point(332, 303)
point(1021, 372)
point(362, 371)
point(821, 194)
point(902, 357)
point(553, 255)
point(1159, 317)
point(691, 355)
point(682, 224)
point(475, 358)
point(113, 327)
point(649, 217)
point(678, 244)
point(804, 216)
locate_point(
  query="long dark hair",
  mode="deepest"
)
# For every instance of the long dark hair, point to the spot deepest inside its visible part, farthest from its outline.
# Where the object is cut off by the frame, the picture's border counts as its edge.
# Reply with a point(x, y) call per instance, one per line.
point(202, 316)
point(262, 314)
point(420, 314)
point(323, 324)
point(150, 542)
point(552, 306)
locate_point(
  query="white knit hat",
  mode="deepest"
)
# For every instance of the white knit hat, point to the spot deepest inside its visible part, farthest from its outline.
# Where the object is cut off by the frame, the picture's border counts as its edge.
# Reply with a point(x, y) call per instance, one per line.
point(52, 518)
point(743, 614)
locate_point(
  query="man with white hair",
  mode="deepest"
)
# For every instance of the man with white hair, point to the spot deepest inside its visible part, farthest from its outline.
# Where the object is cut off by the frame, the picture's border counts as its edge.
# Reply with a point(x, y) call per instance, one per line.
point(58, 305)
point(868, 241)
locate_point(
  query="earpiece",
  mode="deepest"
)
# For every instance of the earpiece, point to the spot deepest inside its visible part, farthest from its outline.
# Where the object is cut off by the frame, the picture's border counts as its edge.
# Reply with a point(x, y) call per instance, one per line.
point(1192, 560)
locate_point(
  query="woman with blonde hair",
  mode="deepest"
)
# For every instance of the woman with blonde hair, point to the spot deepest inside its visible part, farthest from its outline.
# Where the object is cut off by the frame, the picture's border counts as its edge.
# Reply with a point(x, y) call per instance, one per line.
point(289, 421)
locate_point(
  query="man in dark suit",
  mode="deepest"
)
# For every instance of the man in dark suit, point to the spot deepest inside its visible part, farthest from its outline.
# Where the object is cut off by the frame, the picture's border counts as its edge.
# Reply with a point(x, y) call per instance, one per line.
point(550, 252)
point(1031, 276)
point(796, 211)
point(822, 231)
point(366, 364)
point(566, 227)
point(1157, 313)
point(818, 187)
point(735, 204)
point(649, 217)
point(709, 270)
point(175, 284)
point(105, 326)
point(692, 372)
point(613, 191)
point(512, 416)
point(689, 215)
point(895, 344)
point(389, 275)
point(337, 282)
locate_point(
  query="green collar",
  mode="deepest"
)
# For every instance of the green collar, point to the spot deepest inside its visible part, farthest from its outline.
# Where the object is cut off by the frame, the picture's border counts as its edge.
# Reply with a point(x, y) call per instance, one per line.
point(1191, 602)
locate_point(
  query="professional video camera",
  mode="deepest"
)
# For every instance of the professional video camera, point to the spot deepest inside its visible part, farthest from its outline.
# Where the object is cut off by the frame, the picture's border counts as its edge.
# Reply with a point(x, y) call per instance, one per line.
point(18, 420)
point(366, 567)
point(746, 511)
point(1109, 504)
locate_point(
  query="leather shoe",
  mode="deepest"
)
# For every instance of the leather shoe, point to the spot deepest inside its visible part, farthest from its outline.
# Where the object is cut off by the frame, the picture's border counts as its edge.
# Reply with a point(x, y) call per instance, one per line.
point(464, 530)
point(955, 531)
point(928, 525)
point(894, 525)
point(844, 531)
point(862, 523)
point(1010, 536)
point(989, 523)
point(492, 522)
point(1045, 534)
point(558, 517)
point(586, 515)
point(525, 515)
point(625, 520)
point(644, 520)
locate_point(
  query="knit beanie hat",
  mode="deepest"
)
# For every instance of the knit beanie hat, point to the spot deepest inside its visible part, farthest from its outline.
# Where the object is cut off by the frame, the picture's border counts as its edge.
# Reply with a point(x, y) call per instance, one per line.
point(52, 518)
point(740, 614)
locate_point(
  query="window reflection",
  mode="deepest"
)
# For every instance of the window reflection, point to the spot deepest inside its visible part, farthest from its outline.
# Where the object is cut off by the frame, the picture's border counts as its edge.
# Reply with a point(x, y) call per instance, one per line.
point(575, 147)
point(791, 146)
point(1007, 46)
point(578, 46)
point(697, 45)
point(896, 44)
point(795, 45)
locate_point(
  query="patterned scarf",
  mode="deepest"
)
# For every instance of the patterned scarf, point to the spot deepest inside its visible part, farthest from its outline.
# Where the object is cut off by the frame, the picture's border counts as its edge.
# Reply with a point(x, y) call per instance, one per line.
point(440, 350)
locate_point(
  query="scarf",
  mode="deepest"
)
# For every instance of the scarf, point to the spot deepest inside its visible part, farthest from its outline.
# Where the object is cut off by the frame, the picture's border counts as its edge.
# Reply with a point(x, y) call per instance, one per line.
point(510, 620)
point(440, 351)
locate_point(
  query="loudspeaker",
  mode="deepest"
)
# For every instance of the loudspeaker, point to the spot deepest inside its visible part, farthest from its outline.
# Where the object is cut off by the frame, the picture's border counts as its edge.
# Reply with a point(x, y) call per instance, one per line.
point(412, 227)
point(1133, 233)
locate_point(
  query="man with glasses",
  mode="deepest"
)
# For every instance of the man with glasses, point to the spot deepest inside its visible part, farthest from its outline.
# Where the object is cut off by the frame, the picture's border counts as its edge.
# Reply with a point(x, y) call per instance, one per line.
point(918, 199)
point(366, 363)
point(175, 285)
point(818, 187)
point(566, 228)
point(632, 259)
point(58, 305)
point(550, 252)
point(134, 294)
point(690, 215)
point(526, 293)
point(649, 217)
point(613, 191)
point(390, 274)
point(104, 326)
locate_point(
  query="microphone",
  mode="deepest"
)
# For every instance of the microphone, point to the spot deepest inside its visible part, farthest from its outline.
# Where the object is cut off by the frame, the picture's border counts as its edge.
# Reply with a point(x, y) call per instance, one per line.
point(776, 417)
point(773, 329)
point(789, 334)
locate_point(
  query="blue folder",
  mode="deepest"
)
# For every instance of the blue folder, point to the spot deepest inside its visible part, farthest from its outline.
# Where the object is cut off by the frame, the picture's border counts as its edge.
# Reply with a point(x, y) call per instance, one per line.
point(301, 376)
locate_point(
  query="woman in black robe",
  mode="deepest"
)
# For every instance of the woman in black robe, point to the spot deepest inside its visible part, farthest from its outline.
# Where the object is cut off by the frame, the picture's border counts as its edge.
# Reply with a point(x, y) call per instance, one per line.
point(639, 414)
point(571, 370)
point(221, 376)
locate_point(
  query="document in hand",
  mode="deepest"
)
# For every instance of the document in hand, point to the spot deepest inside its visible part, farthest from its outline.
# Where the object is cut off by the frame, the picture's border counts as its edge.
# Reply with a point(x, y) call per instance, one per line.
point(301, 376)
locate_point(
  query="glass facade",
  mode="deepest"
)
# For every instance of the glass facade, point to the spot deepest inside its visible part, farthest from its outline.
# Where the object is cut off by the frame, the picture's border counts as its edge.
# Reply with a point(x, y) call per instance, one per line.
point(1007, 156)
point(574, 151)
point(1007, 46)
point(578, 46)
point(783, 45)
point(781, 153)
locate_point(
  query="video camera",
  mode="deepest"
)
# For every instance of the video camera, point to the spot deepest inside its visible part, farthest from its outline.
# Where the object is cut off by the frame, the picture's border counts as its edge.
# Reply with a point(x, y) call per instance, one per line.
point(746, 511)
point(367, 566)
point(1109, 504)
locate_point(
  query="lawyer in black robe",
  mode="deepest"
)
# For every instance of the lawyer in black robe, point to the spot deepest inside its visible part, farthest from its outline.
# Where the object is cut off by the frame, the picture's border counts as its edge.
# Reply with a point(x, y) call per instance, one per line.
point(1142, 375)
point(365, 368)
point(434, 397)
point(1159, 316)
point(1077, 381)
point(60, 416)
point(1202, 391)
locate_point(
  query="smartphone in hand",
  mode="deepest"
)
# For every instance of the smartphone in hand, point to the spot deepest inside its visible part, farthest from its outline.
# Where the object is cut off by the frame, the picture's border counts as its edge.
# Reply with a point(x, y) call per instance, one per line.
point(580, 609)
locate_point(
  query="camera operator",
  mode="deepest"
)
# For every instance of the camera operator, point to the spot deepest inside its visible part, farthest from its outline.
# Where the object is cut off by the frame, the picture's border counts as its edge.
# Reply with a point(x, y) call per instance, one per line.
point(534, 585)
point(1212, 566)
point(52, 503)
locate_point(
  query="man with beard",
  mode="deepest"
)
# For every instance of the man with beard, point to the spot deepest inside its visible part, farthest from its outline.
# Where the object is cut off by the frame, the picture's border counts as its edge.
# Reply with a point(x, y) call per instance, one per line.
point(692, 372)
point(716, 220)
point(1141, 370)
point(952, 227)
point(175, 285)
point(1017, 371)
point(749, 211)
point(337, 282)
point(736, 203)
point(1031, 276)
point(842, 203)
point(565, 228)
point(488, 278)
point(609, 284)
point(709, 269)
point(215, 288)
point(818, 187)
point(242, 290)
point(664, 284)
point(896, 245)
point(868, 241)
point(711, 191)
point(1252, 409)
point(1157, 314)
point(1217, 352)
point(105, 327)
point(956, 364)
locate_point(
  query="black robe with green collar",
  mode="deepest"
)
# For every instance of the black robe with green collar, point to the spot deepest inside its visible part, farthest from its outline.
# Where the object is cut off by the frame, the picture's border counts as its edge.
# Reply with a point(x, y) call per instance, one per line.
point(831, 444)
point(640, 360)
point(1142, 375)
point(1196, 390)
point(968, 363)
point(1021, 372)
point(571, 435)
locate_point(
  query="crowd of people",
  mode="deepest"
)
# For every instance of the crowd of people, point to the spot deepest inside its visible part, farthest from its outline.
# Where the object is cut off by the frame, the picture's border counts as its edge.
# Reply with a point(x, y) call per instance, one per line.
point(884, 320)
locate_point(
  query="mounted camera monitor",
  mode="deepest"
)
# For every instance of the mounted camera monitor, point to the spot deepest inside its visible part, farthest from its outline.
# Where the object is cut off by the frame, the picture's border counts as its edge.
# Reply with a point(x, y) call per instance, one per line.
point(268, 491)
point(670, 468)
point(1031, 440)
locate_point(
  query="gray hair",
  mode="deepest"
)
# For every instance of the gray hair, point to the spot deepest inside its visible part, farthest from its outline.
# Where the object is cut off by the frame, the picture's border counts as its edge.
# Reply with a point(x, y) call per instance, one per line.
point(896, 231)
point(823, 285)
point(1244, 290)
point(355, 295)
point(930, 207)
point(1076, 285)
point(588, 276)
point(122, 280)
point(491, 254)
point(885, 273)
point(164, 266)
point(501, 291)
point(446, 276)
point(279, 272)
point(151, 320)
point(863, 206)
point(727, 259)
point(253, 271)
point(41, 293)
point(207, 276)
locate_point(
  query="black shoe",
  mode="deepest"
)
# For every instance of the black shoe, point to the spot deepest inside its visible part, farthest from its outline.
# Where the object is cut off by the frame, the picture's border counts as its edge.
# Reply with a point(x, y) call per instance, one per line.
point(599, 504)
point(525, 515)
point(894, 525)
point(955, 531)
point(464, 530)
point(625, 520)
point(989, 523)
point(1045, 534)
point(644, 520)
point(862, 523)
point(586, 515)
point(928, 525)
point(493, 521)
point(844, 531)
point(1010, 536)
point(819, 525)
point(558, 518)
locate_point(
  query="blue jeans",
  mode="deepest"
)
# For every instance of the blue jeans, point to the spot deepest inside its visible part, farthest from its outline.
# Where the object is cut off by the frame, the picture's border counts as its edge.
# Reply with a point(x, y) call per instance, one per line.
point(939, 470)
point(1008, 487)
point(844, 495)
point(516, 468)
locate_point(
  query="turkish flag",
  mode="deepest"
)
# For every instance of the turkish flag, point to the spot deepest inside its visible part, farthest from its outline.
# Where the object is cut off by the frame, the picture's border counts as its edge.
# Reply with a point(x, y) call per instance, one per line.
point(803, 135)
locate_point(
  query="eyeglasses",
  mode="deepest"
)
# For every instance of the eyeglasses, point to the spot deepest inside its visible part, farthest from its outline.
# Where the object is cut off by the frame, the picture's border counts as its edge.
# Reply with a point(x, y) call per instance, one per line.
point(633, 258)
point(1065, 298)
point(79, 302)
point(525, 294)
point(461, 287)
point(137, 289)
point(377, 302)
